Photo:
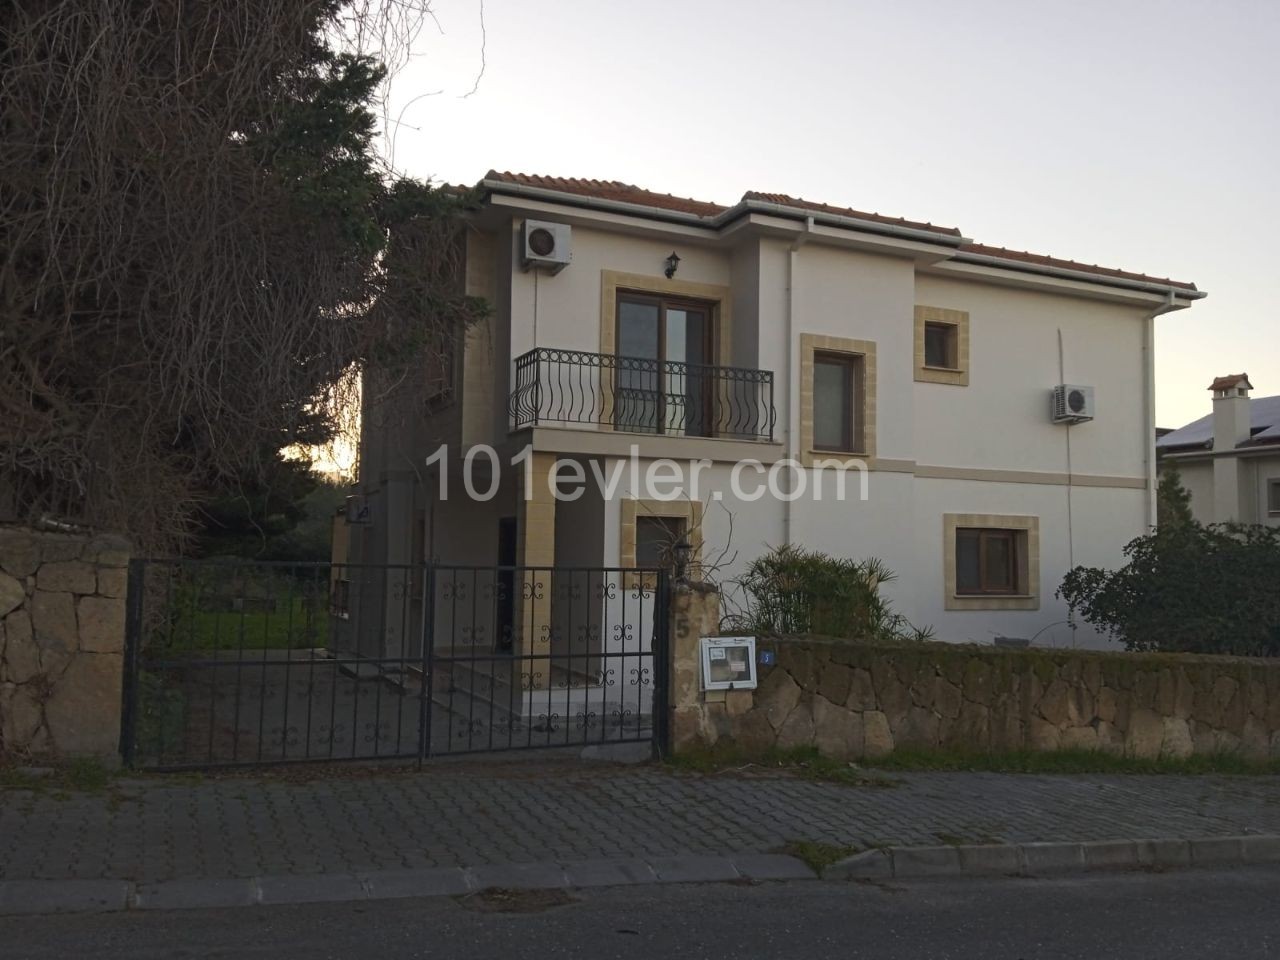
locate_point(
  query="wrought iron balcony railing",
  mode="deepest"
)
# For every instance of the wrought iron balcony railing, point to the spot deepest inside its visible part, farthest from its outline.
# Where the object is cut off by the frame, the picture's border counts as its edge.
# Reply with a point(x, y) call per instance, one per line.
point(637, 395)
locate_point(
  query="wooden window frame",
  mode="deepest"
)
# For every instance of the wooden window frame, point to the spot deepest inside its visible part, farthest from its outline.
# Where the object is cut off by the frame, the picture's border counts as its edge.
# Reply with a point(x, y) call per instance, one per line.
point(689, 512)
point(853, 402)
point(1027, 561)
point(663, 302)
point(813, 345)
point(1017, 546)
point(1273, 496)
point(952, 348)
point(681, 529)
point(709, 340)
point(956, 373)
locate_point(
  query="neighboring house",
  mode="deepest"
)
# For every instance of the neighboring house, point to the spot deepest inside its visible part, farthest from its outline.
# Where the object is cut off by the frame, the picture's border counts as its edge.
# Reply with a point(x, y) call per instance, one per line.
point(780, 328)
point(1229, 460)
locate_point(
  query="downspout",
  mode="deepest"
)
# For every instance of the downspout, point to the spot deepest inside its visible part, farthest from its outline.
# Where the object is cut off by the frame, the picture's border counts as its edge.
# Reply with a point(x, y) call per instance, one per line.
point(1149, 402)
point(793, 375)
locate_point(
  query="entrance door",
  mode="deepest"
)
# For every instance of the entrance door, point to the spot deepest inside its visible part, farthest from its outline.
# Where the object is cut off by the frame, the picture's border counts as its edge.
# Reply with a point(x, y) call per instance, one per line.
point(664, 381)
point(506, 583)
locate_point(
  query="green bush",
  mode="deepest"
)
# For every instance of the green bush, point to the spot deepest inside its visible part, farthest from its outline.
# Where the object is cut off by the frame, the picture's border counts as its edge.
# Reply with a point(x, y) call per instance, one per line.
point(790, 590)
point(1188, 588)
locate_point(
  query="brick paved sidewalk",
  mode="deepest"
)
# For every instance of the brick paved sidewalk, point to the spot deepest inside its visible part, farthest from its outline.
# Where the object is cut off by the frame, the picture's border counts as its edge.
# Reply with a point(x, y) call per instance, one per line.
point(158, 829)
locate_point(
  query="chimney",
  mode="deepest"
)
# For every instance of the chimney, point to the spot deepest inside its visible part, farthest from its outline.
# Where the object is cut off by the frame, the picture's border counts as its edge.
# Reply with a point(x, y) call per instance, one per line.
point(1231, 422)
point(1230, 411)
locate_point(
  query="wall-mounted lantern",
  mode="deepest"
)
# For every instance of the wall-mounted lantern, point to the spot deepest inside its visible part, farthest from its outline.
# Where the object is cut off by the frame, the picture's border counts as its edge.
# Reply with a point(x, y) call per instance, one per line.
point(681, 553)
point(673, 261)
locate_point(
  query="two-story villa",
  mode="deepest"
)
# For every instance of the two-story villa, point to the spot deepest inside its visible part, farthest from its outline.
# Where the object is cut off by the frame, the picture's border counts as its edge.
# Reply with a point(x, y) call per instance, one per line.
point(769, 330)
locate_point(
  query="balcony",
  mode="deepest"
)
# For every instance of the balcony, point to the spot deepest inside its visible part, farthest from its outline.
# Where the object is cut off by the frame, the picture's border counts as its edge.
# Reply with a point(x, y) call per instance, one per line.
point(638, 395)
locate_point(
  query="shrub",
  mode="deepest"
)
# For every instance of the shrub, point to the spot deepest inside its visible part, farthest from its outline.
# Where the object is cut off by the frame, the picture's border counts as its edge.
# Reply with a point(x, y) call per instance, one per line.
point(791, 590)
point(1188, 588)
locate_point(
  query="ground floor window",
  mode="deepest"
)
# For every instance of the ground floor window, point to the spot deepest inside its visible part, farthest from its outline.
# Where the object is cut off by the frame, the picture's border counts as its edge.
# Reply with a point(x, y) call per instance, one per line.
point(987, 561)
point(656, 538)
point(991, 561)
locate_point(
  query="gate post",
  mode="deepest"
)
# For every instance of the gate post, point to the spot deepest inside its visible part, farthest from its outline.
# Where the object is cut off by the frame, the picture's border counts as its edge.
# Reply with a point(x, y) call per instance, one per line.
point(427, 650)
point(694, 613)
point(132, 645)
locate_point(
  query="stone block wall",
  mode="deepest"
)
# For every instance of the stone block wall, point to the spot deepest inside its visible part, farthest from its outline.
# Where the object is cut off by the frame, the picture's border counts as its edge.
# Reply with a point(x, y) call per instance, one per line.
point(62, 628)
point(851, 699)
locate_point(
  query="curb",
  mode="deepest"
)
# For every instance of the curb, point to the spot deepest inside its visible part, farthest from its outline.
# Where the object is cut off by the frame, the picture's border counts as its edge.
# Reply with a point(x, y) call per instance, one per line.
point(1038, 859)
point(26, 897)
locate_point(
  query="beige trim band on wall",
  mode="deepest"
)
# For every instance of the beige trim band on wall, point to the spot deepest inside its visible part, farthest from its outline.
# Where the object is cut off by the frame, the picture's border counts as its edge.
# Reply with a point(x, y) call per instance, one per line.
point(951, 522)
point(927, 472)
point(811, 343)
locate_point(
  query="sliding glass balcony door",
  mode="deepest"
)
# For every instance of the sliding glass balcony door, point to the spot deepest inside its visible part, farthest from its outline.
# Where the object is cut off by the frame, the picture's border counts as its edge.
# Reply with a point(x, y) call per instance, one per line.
point(663, 380)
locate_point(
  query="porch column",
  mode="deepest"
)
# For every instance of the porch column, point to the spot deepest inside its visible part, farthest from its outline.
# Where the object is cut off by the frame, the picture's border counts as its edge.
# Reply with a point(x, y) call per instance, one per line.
point(536, 547)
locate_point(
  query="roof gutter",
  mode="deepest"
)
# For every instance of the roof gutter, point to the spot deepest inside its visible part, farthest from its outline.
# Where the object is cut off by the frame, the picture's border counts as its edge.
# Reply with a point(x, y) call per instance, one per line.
point(491, 187)
point(1144, 286)
point(722, 219)
point(810, 217)
point(1193, 453)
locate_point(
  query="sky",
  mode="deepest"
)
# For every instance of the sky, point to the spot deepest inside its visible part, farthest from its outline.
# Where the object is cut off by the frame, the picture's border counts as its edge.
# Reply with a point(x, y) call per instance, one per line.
point(1140, 135)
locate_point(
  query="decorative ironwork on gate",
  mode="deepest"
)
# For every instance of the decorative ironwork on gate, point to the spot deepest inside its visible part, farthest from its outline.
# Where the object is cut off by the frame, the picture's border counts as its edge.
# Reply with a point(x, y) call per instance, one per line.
point(265, 663)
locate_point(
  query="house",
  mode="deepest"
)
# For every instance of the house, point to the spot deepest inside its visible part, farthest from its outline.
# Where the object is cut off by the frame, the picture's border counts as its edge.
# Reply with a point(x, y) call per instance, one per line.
point(1229, 460)
point(994, 406)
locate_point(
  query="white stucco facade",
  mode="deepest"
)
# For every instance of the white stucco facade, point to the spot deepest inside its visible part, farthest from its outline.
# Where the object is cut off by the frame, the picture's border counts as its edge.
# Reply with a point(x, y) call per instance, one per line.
point(780, 279)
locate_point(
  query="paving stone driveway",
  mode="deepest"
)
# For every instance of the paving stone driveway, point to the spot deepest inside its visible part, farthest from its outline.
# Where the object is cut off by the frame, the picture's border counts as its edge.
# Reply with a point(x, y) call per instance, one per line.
point(350, 820)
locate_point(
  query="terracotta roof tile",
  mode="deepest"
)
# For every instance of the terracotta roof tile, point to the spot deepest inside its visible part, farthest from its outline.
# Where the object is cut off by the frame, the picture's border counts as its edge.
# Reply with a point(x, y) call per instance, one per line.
point(788, 201)
point(1022, 256)
point(1229, 381)
point(610, 190)
point(628, 193)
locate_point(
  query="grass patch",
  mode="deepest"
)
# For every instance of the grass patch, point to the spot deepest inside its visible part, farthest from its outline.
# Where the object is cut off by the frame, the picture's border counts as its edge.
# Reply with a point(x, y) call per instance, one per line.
point(58, 780)
point(296, 622)
point(817, 856)
point(804, 762)
point(1066, 762)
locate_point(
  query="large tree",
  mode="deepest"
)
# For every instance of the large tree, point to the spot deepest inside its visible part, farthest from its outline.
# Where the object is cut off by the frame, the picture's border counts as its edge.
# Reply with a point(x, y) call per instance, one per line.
point(196, 247)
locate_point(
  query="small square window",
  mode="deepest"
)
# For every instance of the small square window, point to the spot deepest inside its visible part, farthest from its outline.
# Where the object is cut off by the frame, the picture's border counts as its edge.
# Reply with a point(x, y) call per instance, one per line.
point(1273, 496)
point(655, 538)
point(988, 562)
point(837, 388)
point(941, 345)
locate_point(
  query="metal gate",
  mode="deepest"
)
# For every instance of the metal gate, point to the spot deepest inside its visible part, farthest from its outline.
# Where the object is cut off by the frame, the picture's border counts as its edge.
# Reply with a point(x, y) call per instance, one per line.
point(266, 663)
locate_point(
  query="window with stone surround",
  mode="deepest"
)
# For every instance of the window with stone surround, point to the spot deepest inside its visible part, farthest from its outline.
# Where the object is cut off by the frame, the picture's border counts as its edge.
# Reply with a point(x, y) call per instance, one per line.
point(991, 562)
point(941, 346)
point(837, 399)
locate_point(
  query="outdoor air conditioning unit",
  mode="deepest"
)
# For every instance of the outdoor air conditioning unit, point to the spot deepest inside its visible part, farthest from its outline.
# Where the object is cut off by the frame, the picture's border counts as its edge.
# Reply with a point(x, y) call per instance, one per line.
point(1072, 403)
point(545, 246)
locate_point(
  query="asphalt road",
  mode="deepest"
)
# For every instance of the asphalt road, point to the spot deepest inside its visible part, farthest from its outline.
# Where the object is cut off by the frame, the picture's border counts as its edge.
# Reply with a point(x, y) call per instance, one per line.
point(1138, 915)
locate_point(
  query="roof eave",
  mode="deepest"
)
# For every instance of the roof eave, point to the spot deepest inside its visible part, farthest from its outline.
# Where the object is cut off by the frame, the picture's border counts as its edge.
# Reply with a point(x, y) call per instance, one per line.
point(826, 218)
point(1083, 276)
point(489, 186)
point(719, 220)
